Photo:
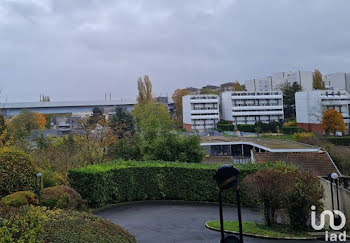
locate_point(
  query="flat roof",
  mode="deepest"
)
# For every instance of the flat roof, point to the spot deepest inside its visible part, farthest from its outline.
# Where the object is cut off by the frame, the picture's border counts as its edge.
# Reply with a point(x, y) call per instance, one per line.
point(23, 105)
point(271, 145)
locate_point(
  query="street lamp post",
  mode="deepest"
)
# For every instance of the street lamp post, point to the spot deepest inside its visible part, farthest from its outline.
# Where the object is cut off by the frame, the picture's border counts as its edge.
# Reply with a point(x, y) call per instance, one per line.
point(227, 177)
point(39, 179)
point(334, 177)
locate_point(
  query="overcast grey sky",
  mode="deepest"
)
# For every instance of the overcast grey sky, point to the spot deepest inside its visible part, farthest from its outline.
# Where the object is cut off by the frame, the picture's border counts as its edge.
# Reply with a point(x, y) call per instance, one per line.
point(80, 49)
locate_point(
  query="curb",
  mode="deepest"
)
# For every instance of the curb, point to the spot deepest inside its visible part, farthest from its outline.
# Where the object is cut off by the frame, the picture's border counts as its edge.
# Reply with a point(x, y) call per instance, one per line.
point(262, 236)
point(95, 210)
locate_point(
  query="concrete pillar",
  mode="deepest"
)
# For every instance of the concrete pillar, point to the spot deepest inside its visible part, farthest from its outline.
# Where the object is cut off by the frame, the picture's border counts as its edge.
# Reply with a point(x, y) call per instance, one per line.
point(242, 150)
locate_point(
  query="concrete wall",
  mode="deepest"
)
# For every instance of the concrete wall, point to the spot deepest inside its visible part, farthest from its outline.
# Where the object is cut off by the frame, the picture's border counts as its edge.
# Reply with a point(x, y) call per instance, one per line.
point(308, 107)
point(186, 110)
point(226, 106)
point(344, 199)
point(264, 84)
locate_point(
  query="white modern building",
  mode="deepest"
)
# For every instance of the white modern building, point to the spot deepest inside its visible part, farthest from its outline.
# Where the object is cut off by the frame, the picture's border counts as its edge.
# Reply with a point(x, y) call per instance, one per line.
point(310, 106)
point(273, 82)
point(337, 81)
point(200, 112)
point(261, 84)
point(242, 107)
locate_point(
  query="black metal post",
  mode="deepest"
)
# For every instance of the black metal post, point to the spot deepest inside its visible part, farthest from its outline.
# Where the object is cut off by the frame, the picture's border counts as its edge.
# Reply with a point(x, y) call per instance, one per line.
point(331, 180)
point(239, 216)
point(221, 218)
point(336, 186)
point(337, 220)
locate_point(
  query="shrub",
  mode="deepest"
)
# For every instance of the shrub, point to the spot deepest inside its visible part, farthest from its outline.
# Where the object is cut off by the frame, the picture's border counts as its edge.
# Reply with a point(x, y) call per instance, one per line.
point(131, 181)
point(53, 178)
point(267, 127)
point(61, 197)
point(225, 127)
point(81, 227)
point(18, 199)
point(303, 136)
point(291, 129)
point(268, 187)
point(22, 224)
point(17, 171)
point(290, 123)
point(306, 191)
point(340, 156)
point(170, 146)
point(287, 188)
point(39, 224)
point(245, 128)
point(342, 141)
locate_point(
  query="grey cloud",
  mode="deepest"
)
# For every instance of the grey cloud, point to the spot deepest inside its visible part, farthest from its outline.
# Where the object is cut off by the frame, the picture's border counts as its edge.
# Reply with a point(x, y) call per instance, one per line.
point(81, 49)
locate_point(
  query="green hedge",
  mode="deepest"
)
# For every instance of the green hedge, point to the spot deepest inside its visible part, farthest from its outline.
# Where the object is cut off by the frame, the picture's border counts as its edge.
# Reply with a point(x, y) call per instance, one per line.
point(246, 128)
point(225, 127)
point(121, 181)
point(291, 130)
point(342, 141)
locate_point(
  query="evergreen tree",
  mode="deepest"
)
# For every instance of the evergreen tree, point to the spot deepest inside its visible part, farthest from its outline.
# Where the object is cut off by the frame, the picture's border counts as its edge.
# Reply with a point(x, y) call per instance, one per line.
point(289, 91)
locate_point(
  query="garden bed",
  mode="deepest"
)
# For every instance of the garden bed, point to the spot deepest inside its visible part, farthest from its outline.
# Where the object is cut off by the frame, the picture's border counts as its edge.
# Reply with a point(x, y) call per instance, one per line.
point(260, 230)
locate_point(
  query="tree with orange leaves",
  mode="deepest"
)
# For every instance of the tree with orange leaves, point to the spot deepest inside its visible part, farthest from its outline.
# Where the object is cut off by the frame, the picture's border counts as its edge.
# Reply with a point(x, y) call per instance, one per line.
point(41, 120)
point(332, 121)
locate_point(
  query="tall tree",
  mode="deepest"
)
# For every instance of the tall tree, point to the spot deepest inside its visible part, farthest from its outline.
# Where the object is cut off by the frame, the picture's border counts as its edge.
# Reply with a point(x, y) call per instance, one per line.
point(177, 98)
point(317, 81)
point(24, 123)
point(41, 120)
point(2, 124)
point(332, 121)
point(122, 123)
point(152, 118)
point(96, 116)
point(289, 91)
point(144, 89)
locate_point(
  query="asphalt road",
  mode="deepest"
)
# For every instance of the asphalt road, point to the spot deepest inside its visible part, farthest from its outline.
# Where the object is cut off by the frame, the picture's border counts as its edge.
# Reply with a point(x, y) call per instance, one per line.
point(158, 222)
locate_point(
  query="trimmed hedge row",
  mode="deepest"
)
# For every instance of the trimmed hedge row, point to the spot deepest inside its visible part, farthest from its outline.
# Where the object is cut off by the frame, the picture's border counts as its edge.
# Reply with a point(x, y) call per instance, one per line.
point(342, 141)
point(121, 181)
point(291, 130)
point(225, 127)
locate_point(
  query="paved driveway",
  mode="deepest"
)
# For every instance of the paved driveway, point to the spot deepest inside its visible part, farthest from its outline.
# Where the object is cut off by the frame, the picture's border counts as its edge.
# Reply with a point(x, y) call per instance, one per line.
point(176, 222)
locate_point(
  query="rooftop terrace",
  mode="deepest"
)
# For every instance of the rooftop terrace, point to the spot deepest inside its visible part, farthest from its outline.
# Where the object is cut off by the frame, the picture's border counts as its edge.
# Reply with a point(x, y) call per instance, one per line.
point(270, 145)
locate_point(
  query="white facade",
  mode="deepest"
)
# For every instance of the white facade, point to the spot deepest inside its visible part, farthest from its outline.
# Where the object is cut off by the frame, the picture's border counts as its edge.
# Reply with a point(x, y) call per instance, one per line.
point(200, 112)
point(269, 83)
point(337, 81)
point(263, 84)
point(242, 107)
point(310, 105)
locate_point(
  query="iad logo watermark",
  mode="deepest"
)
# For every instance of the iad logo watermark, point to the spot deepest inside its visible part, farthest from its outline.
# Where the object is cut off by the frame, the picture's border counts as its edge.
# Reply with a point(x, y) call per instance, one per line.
point(335, 223)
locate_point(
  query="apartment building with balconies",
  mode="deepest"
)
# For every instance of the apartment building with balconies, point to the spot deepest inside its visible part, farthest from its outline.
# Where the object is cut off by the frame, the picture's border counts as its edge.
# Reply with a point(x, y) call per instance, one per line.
point(274, 82)
point(310, 106)
point(242, 107)
point(200, 112)
point(337, 81)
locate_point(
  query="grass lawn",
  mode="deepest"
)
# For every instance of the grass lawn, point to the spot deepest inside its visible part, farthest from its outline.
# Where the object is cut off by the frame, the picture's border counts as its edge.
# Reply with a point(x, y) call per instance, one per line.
point(287, 137)
point(260, 229)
